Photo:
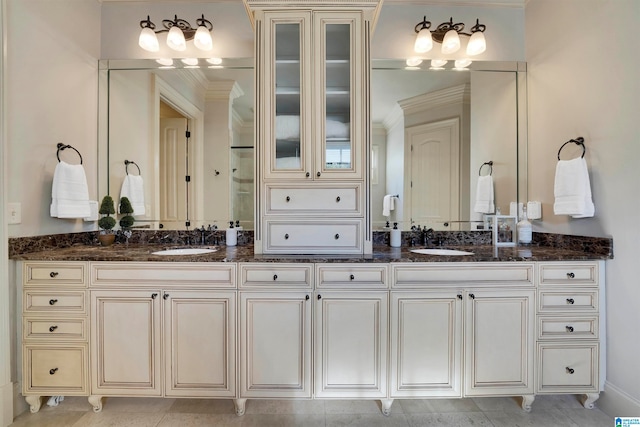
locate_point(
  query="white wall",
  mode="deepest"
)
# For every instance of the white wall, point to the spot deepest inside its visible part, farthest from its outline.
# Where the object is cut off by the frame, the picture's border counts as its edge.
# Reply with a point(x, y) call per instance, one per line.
point(583, 61)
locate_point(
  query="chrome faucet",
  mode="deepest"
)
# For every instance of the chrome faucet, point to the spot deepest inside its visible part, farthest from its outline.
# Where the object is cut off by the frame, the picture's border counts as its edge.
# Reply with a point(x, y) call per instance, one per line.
point(203, 239)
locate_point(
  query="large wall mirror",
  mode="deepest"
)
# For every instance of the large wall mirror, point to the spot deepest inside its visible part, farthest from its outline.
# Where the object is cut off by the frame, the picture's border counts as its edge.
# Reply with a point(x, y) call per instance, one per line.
point(146, 110)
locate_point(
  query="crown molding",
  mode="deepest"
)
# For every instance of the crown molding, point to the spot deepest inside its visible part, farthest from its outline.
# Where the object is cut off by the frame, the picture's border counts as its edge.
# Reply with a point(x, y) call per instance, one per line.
point(223, 89)
point(454, 95)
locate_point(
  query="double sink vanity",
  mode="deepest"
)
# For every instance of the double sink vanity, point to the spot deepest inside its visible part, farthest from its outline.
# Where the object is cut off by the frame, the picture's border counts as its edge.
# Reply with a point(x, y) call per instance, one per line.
point(230, 324)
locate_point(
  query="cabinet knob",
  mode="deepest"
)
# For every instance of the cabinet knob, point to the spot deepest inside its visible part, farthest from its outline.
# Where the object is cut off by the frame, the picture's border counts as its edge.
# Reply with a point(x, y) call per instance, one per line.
point(307, 174)
point(53, 328)
point(53, 274)
point(318, 174)
point(319, 296)
point(52, 301)
point(275, 277)
point(352, 277)
point(459, 296)
point(306, 297)
point(569, 328)
point(154, 296)
point(570, 301)
point(288, 199)
point(570, 370)
point(337, 199)
point(337, 236)
point(286, 236)
point(52, 371)
point(472, 296)
point(570, 275)
point(165, 296)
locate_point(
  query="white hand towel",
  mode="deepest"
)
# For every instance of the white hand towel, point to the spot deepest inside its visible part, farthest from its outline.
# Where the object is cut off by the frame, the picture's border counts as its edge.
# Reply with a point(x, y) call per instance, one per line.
point(484, 195)
point(388, 204)
point(572, 189)
point(133, 189)
point(69, 192)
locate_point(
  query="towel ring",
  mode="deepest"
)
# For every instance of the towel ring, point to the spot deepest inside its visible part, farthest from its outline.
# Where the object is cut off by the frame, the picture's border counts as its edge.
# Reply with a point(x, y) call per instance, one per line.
point(126, 166)
point(490, 164)
point(61, 147)
point(578, 141)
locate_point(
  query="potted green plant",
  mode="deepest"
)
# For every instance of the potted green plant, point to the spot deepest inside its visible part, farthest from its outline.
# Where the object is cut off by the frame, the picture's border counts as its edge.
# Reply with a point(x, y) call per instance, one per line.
point(125, 208)
point(107, 222)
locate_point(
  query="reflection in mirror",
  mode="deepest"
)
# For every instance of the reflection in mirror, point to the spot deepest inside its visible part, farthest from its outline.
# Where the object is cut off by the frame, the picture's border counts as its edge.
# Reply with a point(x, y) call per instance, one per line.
point(190, 130)
point(432, 130)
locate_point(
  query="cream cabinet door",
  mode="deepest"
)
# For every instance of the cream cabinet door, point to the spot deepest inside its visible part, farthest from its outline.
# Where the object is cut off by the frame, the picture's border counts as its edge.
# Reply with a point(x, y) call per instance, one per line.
point(199, 342)
point(499, 342)
point(275, 344)
point(426, 344)
point(125, 342)
point(351, 344)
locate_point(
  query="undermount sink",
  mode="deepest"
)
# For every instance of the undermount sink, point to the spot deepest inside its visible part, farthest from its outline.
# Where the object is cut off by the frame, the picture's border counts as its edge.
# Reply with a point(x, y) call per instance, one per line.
point(440, 252)
point(184, 251)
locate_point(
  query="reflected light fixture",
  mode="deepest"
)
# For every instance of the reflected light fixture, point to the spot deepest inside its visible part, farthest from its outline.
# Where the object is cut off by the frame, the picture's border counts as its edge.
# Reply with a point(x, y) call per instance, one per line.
point(413, 62)
point(462, 64)
point(179, 32)
point(438, 63)
point(448, 34)
point(190, 61)
point(165, 61)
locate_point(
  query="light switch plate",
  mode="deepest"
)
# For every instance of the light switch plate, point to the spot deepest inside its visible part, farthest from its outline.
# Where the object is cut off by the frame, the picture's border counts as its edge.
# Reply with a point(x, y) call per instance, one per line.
point(14, 213)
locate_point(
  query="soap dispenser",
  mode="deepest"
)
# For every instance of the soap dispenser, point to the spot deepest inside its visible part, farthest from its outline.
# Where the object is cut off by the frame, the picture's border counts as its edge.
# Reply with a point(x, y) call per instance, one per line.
point(524, 228)
point(232, 235)
point(396, 236)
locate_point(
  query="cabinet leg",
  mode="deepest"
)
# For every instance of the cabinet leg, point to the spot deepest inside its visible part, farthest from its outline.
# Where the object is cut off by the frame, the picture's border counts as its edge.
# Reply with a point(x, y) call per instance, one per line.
point(588, 400)
point(386, 406)
point(34, 403)
point(240, 405)
point(527, 401)
point(96, 402)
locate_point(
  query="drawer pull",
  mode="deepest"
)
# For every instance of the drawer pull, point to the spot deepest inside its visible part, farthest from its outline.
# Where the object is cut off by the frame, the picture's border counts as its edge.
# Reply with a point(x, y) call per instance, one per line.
point(338, 199)
point(352, 277)
point(53, 328)
point(570, 370)
point(165, 296)
point(570, 275)
point(53, 274)
point(52, 371)
point(52, 301)
point(318, 174)
point(569, 328)
point(472, 296)
point(459, 296)
point(306, 298)
point(275, 277)
point(319, 296)
point(154, 296)
point(337, 236)
point(570, 300)
point(288, 199)
point(307, 174)
point(286, 236)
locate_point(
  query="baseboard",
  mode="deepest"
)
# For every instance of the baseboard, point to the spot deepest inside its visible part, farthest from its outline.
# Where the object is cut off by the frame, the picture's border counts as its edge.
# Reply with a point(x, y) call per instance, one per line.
point(6, 404)
point(19, 404)
point(616, 403)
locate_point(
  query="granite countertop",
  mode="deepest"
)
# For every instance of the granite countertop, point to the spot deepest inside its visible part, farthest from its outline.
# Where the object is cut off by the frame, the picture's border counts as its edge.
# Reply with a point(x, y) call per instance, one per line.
point(244, 253)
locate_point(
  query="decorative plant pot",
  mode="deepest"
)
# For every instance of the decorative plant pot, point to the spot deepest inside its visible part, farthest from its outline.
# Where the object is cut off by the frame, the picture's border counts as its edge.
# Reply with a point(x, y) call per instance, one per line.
point(106, 239)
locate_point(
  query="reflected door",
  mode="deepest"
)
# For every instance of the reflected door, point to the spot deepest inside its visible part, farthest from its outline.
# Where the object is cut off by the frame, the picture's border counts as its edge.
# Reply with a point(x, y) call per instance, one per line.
point(173, 170)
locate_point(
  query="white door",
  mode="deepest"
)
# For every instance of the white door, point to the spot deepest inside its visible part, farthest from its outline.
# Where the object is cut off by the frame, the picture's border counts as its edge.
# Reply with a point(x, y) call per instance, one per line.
point(434, 174)
point(125, 343)
point(173, 170)
point(351, 344)
point(275, 344)
point(426, 344)
point(199, 341)
point(499, 341)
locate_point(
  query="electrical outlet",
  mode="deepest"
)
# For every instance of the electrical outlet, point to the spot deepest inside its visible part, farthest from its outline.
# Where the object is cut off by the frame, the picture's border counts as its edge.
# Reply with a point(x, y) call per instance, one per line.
point(15, 213)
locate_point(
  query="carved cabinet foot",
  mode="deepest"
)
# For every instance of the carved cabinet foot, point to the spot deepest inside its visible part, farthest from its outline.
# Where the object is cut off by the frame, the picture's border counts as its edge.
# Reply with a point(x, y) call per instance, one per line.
point(386, 406)
point(240, 406)
point(588, 400)
point(96, 402)
point(527, 401)
point(34, 403)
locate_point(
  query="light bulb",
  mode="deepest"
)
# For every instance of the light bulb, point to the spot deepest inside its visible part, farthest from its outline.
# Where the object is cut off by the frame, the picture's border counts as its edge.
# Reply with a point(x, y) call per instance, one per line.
point(438, 63)
point(462, 63)
point(175, 39)
point(451, 42)
point(424, 42)
point(414, 62)
point(202, 39)
point(477, 44)
point(148, 40)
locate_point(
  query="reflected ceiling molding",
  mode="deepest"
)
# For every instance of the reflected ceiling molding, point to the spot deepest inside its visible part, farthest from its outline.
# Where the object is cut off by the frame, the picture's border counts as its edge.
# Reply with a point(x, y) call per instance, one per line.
point(437, 99)
point(223, 89)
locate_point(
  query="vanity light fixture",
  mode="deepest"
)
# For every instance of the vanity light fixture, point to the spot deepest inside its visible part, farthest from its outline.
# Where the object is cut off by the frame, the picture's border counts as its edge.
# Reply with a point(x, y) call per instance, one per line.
point(448, 34)
point(190, 61)
point(165, 61)
point(179, 32)
point(214, 61)
point(462, 64)
point(438, 64)
point(413, 62)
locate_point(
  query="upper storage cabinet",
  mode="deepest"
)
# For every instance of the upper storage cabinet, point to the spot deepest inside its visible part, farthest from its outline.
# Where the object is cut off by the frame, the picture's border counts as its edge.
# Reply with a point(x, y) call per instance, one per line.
point(310, 78)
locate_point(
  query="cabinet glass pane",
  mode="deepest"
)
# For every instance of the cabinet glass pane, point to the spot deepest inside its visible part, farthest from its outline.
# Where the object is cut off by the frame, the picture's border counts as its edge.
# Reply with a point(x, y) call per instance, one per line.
point(338, 97)
point(287, 90)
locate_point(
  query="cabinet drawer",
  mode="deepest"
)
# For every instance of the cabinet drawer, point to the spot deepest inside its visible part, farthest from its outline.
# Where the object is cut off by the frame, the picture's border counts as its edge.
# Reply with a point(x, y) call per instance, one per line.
point(276, 275)
point(54, 273)
point(493, 274)
point(210, 275)
point(58, 370)
point(567, 328)
point(306, 200)
point(53, 302)
point(54, 329)
point(567, 274)
point(314, 237)
point(569, 301)
point(351, 276)
point(568, 368)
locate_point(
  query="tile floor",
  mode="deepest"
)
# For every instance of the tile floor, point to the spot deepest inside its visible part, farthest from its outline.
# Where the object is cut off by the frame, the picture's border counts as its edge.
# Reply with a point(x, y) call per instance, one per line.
point(548, 411)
